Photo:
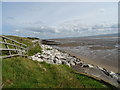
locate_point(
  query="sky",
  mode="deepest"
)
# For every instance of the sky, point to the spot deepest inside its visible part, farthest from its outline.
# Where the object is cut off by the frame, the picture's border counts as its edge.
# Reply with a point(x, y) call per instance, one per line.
point(59, 19)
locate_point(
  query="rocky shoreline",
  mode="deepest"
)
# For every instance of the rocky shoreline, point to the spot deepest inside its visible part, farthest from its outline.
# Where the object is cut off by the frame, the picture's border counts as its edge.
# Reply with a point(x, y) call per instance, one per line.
point(55, 56)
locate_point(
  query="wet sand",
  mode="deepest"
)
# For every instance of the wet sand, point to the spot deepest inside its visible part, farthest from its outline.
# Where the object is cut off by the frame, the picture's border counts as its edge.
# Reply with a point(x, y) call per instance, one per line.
point(102, 51)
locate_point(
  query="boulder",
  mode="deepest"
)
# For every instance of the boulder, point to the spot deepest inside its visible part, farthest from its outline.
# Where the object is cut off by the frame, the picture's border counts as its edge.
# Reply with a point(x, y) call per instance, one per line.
point(106, 72)
point(63, 62)
point(72, 63)
point(40, 60)
point(34, 58)
point(55, 60)
point(59, 62)
point(90, 66)
point(81, 63)
point(99, 67)
point(85, 65)
point(68, 64)
point(38, 56)
point(77, 62)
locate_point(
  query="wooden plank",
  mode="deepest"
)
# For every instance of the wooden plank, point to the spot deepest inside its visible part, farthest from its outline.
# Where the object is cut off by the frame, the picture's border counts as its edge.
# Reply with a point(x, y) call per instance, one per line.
point(19, 49)
point(13, 56)
point(15, 47)
point(7, 46)
point(11, 45)
point(5, 49)
point(13, 40)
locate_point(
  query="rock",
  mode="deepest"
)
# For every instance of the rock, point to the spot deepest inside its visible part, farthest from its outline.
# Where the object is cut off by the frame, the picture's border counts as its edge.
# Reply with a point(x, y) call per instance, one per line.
point(81, 63)
point(38, 56)
point(40, 60)
point(72, 63)
point(68, 64)
point(42, 56)
point(77, 62)
point(34, 58)
point(116, 77)
point(106, 72)
point(112, 73)
point(64, 62)
point(85, 65)
point(59, 62)
point(90, 66)
point(118, 80)
point(55, 60)
point(99, 68)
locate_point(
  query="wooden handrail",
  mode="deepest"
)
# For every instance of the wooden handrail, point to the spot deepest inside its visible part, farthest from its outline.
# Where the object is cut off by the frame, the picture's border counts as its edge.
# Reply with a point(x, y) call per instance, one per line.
point(12, 45)
point(18, 49)
point(5, 49)
point(12, 40)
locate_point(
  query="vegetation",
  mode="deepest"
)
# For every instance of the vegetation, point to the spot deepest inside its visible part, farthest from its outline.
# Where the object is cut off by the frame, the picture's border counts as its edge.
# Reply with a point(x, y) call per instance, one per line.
point(33, 48)
point(21, 72)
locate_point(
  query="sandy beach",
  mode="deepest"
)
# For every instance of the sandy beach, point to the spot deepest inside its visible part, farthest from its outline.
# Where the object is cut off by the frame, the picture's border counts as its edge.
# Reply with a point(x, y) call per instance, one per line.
point(102, 51)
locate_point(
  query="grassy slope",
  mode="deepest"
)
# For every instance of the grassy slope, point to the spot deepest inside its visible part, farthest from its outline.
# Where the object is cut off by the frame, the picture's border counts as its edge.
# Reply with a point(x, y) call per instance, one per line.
point(24, 73)
point(31, 51)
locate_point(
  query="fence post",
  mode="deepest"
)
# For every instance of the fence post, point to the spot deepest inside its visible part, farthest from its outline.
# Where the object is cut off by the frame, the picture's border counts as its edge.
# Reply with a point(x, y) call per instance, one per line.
point(7, 45)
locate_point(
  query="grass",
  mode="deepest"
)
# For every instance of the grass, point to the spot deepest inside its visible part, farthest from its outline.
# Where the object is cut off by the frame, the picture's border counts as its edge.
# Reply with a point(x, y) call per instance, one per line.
point(33, 48)
point(19, 72)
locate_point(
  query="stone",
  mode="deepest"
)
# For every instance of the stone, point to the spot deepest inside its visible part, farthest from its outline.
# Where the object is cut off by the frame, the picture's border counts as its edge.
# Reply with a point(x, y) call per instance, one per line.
point(106, 72)
point(72, 63)
point(85, 65)
point(39, 56)
point(34, 58)
point(81, 63)
point(40, 60)
point(68, 64)
point(90, 66)
point(77, 62)
point(64, 62)
point(99, 68)
point(118, 80)
point(59, 62)
point(54, 60)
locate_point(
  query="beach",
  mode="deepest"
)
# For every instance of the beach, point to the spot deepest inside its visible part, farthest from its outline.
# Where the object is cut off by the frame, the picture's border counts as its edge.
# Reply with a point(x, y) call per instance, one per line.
point(98, 50)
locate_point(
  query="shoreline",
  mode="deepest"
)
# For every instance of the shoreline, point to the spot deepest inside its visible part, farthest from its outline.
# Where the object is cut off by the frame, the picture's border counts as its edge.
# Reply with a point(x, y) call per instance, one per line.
point(53, 55)
point(87, 60)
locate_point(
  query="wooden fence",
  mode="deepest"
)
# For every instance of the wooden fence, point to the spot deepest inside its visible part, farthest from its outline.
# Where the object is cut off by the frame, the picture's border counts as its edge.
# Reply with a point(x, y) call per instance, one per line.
point(18, 49)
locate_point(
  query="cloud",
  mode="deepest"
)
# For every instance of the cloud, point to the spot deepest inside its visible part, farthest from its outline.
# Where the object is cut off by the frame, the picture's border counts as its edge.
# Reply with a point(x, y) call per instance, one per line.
point(101, 10)
point(11, 18)
point(17, 30)
point(65, 29)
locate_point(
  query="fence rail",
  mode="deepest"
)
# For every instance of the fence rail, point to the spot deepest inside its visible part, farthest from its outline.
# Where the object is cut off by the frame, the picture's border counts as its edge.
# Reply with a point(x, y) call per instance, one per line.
point(19, 49)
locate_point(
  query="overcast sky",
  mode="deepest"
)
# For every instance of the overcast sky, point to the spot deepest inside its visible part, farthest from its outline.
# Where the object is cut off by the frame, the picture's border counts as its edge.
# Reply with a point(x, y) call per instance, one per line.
point(59, 19)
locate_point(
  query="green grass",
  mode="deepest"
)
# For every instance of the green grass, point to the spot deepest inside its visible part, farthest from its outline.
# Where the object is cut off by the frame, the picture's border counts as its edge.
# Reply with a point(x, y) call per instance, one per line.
point(19, 72)
point(23, 40)
point(33, 48)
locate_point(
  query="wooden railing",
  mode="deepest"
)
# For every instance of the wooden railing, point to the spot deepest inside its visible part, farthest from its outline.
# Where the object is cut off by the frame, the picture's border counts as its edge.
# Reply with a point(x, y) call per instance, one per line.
point(18, 49)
